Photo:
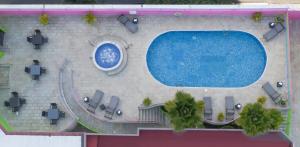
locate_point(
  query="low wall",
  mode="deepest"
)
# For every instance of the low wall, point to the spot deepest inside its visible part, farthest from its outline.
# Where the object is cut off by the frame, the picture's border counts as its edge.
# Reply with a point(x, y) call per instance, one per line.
point(142, 9)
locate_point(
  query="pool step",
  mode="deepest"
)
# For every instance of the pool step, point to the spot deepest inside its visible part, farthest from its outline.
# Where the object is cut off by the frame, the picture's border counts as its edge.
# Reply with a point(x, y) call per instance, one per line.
point(152, 114)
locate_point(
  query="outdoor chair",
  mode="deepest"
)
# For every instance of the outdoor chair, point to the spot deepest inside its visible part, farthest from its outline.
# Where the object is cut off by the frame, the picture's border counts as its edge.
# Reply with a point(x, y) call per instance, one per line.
point(61, 114)
point(37, 31)
point(37, 46)
point(272, 93)
point(36, 62)
point(6, 104)
point(15, 109)
point(132, 27)
point(44, 113)
point(208, 108)
point(229, 107)
point(27, 69)
point(45, 40)
point(29, 39)
point(36, 78)
point(111, 107)
point(94, 101)
point(23, 101)
point(274, 32)
point(43, 70)
point(53, 122)
point(53, 106)
point(15, 94)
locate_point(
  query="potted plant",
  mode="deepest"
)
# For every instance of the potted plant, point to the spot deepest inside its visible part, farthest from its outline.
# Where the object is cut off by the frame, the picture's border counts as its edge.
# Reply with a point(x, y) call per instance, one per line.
point(283, 102)
point(262, 100)
point(257, 16)
point(147, 101)
point(278, 19)
point(90, 18)
point(221, 117)
point(44, 19)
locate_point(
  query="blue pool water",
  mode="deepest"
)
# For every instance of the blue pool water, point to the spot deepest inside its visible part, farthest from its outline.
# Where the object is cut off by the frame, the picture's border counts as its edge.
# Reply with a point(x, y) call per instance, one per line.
point(206, 58)
point(107, 55)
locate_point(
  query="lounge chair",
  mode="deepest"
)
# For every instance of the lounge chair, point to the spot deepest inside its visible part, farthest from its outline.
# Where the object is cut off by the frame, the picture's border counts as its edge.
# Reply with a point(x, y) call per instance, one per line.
point(111, 107)
point(1, 37)
point(128, 24)
point(229, 106)
point(95, 100)
point(207, 108)
point(272, 93)
point(274, 32)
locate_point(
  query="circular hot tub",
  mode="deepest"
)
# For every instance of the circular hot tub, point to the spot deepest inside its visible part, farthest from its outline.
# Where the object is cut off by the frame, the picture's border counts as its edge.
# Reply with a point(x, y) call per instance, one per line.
point(107, 56)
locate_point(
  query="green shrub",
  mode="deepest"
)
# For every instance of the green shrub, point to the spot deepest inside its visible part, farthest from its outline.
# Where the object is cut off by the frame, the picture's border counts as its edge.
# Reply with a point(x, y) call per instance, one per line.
point(279, 19)
point(227, 127)
point(283, 102)
point(262, 100)
point(2, 54)
point(183, 112)
point(44, 19)
point(221, 116)
point(90, 18)
point(200, 105)
point(2, 29)
point(255, 119)
point(147, 102)
point(257, 16)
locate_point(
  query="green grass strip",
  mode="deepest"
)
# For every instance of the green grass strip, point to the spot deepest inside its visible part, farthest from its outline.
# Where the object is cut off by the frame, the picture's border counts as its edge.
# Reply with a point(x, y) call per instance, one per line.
point(88, 127)
point(2, 54)
point(288, 124)
point(5, 124)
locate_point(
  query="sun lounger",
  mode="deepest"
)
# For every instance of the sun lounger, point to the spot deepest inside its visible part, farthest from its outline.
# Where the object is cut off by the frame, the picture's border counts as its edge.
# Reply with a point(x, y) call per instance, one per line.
point(128, 24)
point(272, 93)
point(229, 106)
point(111, 107)
point(1, 37)
point(274, 32)
point(95, 100)
point(207, 108)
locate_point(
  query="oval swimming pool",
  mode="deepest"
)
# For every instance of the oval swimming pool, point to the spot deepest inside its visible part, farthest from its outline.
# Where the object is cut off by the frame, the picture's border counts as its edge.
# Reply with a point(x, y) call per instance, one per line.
point(206, 58)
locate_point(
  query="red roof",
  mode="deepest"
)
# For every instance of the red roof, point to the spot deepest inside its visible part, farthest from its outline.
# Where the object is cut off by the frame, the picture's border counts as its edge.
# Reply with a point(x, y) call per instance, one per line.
point(191, 138)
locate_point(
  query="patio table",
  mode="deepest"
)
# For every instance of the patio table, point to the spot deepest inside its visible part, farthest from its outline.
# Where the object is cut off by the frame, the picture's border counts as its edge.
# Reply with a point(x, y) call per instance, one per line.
point(37, 39)
point(35, 70)
point(14, 102)
point(53, 114)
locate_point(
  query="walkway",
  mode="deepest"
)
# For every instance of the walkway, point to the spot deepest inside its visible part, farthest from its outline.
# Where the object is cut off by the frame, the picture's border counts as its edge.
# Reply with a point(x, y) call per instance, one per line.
point(69, 97)
point(196, 138)
point(295, 62)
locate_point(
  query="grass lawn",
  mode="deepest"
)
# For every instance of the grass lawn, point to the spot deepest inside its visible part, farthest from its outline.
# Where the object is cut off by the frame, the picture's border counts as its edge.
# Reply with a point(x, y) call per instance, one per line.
point(5, 124)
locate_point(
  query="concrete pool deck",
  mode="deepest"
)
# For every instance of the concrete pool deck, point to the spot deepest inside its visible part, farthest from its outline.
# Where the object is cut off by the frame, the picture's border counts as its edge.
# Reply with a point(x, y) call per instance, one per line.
point(69, 38)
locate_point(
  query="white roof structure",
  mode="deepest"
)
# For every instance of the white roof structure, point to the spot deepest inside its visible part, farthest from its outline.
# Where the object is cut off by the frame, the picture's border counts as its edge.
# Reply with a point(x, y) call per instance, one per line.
point(39, 140)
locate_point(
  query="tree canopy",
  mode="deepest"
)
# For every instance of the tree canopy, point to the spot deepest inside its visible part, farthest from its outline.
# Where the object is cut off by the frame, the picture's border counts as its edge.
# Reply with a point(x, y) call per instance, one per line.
point(255, 119)
point(184, 111)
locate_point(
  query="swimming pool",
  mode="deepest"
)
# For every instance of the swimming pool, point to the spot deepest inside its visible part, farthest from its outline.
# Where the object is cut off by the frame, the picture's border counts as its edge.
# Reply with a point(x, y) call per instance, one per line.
point(206, 58)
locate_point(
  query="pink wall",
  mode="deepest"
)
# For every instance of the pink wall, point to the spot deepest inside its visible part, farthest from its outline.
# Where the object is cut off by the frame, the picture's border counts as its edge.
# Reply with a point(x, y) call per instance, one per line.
point(144, 11)
point(294, 15)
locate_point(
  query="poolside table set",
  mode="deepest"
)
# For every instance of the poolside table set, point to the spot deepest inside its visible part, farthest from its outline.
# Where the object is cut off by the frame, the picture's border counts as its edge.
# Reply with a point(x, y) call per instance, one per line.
point(15, 102)
point(53, 114)
point(35, 70)
point(37, 39)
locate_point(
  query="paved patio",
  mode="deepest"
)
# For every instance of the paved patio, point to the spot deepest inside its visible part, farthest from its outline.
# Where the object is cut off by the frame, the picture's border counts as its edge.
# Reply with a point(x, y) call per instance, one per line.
point(69, 38)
